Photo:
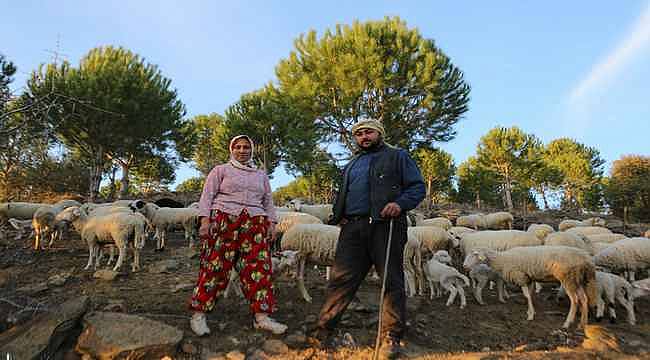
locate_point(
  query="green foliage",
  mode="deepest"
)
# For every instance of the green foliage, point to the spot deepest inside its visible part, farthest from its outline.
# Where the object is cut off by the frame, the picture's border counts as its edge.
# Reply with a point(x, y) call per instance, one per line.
point(7, 71)
point(154, 174)
point(191, 185)
point(113, 106)
point(205, 135)
point(510, 154)
point(629, 186)
point(476, 184)
point(581, 167)
point(105, 191)
point(437, 168)
point(309, 188)
point(380, 69)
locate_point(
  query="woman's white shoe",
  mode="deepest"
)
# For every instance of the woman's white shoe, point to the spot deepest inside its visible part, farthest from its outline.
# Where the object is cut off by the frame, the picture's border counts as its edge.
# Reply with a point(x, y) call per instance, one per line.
point(199, 324)
point(268, 324)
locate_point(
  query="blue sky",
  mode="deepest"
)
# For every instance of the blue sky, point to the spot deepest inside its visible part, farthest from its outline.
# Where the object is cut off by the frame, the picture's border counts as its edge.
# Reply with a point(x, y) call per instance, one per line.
point(578, 69)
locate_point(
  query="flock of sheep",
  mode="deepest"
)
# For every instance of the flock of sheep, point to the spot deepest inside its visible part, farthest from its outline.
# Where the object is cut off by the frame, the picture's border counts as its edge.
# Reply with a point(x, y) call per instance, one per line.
point(593, 266)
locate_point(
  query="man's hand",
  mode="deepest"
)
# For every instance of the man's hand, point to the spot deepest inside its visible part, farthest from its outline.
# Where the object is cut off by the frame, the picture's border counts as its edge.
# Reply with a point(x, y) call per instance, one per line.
point(204, 230)
point(272, 232)
point(391, 209)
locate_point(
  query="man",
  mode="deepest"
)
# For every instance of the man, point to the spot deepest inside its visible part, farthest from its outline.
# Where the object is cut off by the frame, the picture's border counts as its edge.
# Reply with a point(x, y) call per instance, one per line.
point(380, 184)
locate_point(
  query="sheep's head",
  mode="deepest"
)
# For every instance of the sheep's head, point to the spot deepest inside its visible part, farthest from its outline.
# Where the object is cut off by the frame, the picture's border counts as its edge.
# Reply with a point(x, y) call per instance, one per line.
point(284, 260)
point(477, 256)
point(137, 205)
point(442, 256)
point(295, 204)
point(598, 222)
point(455, 241)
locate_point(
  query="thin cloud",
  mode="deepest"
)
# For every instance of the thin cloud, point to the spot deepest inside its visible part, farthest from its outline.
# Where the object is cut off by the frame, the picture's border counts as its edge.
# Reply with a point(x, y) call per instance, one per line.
point(634, 42)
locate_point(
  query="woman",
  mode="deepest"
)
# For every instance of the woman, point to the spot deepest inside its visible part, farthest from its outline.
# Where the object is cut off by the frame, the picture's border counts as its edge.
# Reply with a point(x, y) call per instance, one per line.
point(237, 223)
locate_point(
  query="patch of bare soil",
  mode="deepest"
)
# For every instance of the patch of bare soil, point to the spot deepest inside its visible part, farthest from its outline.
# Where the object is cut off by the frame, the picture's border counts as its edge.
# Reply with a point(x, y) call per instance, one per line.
point(435, 331)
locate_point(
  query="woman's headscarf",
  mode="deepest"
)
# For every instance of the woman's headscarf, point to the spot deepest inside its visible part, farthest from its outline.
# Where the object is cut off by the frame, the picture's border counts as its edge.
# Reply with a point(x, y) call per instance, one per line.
point(250, 164)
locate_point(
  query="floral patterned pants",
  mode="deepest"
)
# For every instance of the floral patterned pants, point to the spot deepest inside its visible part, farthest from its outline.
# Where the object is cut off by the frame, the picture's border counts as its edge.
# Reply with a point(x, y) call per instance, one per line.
point(238, 241)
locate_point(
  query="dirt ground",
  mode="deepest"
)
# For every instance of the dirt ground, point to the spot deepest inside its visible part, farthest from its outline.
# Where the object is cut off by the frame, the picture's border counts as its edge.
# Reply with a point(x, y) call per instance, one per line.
point(435, 331)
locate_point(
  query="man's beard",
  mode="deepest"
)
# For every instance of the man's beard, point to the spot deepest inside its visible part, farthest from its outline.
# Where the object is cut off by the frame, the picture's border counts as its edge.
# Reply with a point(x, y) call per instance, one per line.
point(373, 145)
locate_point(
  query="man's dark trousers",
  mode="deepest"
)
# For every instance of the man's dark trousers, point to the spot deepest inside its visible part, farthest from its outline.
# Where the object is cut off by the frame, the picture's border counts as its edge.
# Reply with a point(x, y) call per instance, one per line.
point(362, 244)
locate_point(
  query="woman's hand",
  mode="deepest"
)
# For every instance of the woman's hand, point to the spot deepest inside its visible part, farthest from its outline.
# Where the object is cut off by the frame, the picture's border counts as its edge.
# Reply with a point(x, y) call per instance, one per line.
point(272, 233)
point(204, 230)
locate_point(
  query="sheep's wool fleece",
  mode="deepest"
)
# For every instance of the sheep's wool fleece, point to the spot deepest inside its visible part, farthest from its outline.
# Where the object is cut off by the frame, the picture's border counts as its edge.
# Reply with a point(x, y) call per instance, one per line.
point(317, 240)
point(431, 238)
point(498, 240)
point(632, 254)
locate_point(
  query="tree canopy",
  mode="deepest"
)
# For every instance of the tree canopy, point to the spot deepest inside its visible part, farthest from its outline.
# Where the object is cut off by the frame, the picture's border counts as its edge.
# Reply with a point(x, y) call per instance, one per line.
point(629, 186)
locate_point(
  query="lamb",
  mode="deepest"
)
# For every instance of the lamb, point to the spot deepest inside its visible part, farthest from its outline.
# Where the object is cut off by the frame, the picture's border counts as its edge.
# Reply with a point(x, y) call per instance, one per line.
point(474, 221)
point(568, 224)
point(448, 277)
point(481, 274)
point(498, 240)
point(568, 239)
point(499, 220)
point(412, 262)
point(629, 255)
point(572, 267)
point(433, 238)
point(641, 288)
point(315, 243)
point(44, 221)
point(440, 222)
point(279, 263)
point(610, 288)
point(18, 210)
point(163, 218)
point(117, 228)
point(322, 212)
point(287, 219)
point(589, 230)
point(540, 230)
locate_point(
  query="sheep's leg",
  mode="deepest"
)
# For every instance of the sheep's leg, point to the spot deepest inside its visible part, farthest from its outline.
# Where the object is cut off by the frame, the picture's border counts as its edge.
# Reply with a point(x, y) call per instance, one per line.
point(120, 258)
point(91, 256)
point(328, 271)
point(584, 307)
point(529, 298)
point(232, 278)
point(37, 239)
point(409, 283)
point(629, 306)
point(452, 292)
point(301, 280)
point(538, 287)
point(461, 293)
point(573, 299)
point(431, 289)
point(631, 274)
point(600, 308)
point(111, 257)
point(502, 294)
point(136, 259)
point(478, 291)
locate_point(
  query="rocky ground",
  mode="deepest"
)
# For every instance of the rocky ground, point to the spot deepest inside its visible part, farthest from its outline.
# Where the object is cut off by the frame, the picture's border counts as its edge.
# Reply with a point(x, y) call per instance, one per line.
point(145, 314)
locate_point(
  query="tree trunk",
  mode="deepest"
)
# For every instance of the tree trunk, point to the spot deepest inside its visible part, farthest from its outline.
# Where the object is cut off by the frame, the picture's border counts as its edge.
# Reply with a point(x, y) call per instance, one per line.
point(96, 174)
point(124, 189)
point(541, 191)
point(478, 200)
point(508, 189)
point(112, 186)
point(429, 183)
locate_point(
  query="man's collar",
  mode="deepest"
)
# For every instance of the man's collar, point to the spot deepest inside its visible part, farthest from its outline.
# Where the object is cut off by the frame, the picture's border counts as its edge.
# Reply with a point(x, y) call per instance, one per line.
point(372, 149)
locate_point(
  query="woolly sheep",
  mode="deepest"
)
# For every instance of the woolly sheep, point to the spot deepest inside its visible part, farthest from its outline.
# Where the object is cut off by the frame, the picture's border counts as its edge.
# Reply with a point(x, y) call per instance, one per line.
point(315, 243)
point(440, 222)
point(321, 211)
point(44, 221)
point(279, 262)
point(481, 274)
point(572, 267)
point(433, 238)
point(629, 255)
point(605, 238)
point(287, 219)
point(18, 210)
point(647, 234)
point(194, 205)
point(641, 288)
point(412, 262)
point(589, 230)
point(498, 240)
point(474, 221)
point(117, 228)
point(611, 287)
point(568, 239)
point(498, 220)
point(448, 277)
point(540, 230)
point(163, 219)
point(568, 224)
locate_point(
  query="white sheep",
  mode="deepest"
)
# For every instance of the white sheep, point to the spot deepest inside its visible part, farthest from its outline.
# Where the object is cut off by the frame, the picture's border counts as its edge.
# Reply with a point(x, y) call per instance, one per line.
point(117, 228)
point(431, 239)
point(18, 210)
point(321, 211)
point(163, 219)
point(480, 275)
point(540, 230)
point(458, 231)
point(194, 205)
point(572, 267)
point(287, 219)
point(474, 221)
point(611, 288)
point(630, 255)
point(568, 239)
point(440, 222)
point(641, 288)
point(498, 240)
point(315, 243)
point(568, 224)
point(44, 221)
point(448, 277)
point(279, 263)
point(499, 220)
point(412, 262)
point(589, 230)
point(605, 238)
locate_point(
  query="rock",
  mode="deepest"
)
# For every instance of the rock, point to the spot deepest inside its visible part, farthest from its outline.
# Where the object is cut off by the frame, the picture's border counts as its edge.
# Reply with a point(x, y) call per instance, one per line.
point(295, 340)
point(58, 279)
point(235, 355)
point(115, 306)
point(106, 275)
point(311, 319)
point(5, 278)
point(183, 287)
point(485, 349)
point(258, 355)
point(33, 289)
point(275, 347)
point(109, 335)
point(234, 340)
point(599, 338)
point(42, 337)
point(164, 266)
